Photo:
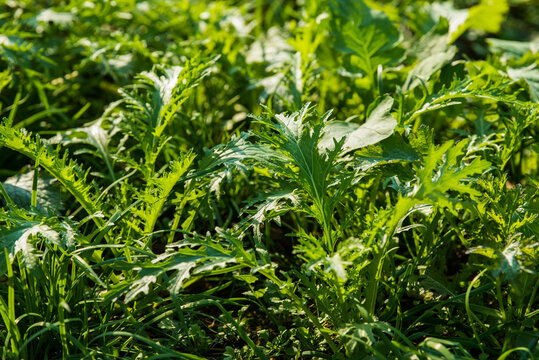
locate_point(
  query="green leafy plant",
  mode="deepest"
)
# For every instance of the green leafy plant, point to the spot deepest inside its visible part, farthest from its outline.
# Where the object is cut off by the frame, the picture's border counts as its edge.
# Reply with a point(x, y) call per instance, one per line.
point(269, 180)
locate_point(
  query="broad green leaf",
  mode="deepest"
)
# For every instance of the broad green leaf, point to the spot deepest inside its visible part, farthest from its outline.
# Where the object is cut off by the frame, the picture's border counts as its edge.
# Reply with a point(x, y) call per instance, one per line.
point(390, 150)
point(433, 53)
point(486, 16)
point(512, 49)
point(530, 75)
point(380, 125)
point(19, 240)
point(455, 17)
point(19, 189)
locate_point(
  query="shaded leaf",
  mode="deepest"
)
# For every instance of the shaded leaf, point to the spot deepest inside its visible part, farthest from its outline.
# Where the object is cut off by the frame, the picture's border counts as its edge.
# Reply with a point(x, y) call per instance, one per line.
point(19, 189)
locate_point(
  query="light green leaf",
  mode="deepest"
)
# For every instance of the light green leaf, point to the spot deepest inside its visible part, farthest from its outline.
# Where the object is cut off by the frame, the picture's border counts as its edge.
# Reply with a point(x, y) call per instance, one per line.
point(19, 239)
point(337, 264)
point(433, 52)
point(512, 49)
point(530, 74)
point(435, 180)
point(380, 125)
point(49, 16)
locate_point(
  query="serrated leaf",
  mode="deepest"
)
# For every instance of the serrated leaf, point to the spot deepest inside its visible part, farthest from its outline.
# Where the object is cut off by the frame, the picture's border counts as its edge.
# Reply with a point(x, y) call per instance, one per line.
point(435, 180)
point(270, 206)
point(67, 172)
point(150, 273)
point(509, 264)
point(181, 273)
point(366, 33)
point(337, 265)
point(159, 189)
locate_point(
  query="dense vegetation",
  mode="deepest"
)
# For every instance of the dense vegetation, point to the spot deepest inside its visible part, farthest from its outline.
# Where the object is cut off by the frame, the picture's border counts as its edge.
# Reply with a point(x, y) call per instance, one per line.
point(269, 179)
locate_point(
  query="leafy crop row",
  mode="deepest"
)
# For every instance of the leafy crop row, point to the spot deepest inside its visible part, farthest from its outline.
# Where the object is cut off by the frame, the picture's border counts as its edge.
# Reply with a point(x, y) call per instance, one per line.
point(269, 179)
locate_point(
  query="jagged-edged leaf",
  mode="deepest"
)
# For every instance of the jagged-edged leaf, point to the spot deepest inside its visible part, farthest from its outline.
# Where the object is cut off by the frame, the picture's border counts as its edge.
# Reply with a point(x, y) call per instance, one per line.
point(95, 135)
point(67, 172)
point(380, 125)
point(182, 271)
point(166, 89)
point(506, 260)
point(435, 179)
point(169, 269)
point(296, 142)
point(169, 88)
point(336, 264)
point(366, 33)
point(270, 206)
point(222, 159)
point(460, 89)
point(159, 189)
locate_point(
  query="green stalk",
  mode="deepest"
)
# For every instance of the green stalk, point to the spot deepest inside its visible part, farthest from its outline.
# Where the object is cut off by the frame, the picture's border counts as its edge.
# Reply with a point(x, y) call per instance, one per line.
point(7, 311)
point(376, 266)
point(281, 284)
point(33, 201)
point(470, 313)
point(5, 195)
point(62, 277)
point(499, 297)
